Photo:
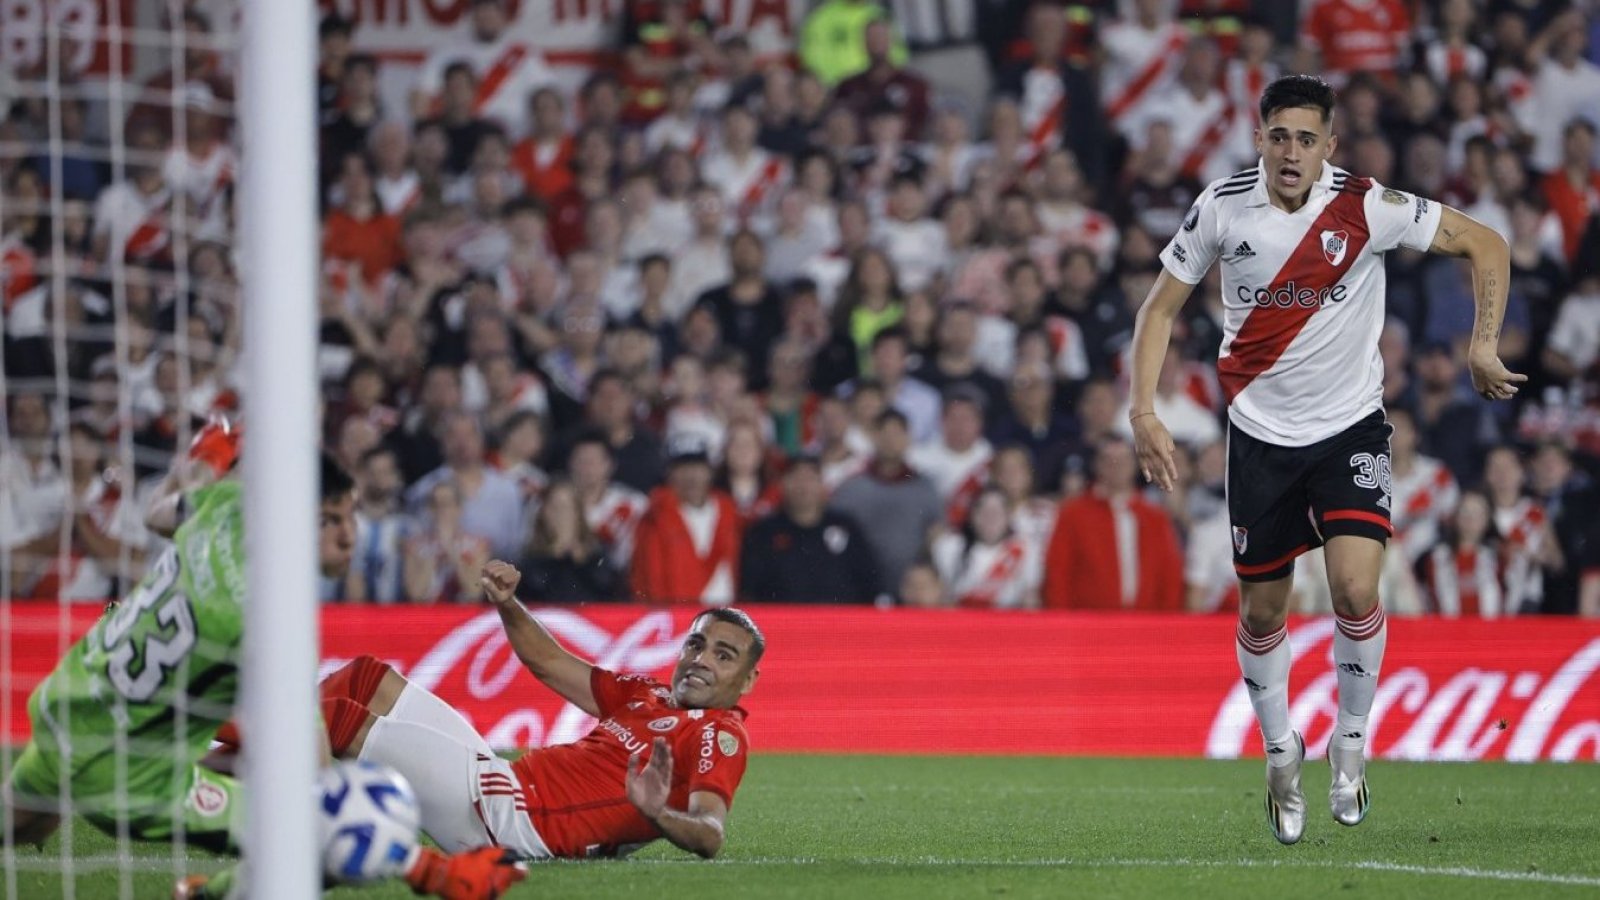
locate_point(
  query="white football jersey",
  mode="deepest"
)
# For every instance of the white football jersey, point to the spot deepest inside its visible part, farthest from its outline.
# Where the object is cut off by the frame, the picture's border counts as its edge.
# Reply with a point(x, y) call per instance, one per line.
point(1303, 296)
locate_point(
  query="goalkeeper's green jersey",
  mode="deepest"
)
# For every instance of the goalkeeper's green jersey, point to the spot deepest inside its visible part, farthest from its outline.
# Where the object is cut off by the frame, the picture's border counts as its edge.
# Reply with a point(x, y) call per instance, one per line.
point(147, 687)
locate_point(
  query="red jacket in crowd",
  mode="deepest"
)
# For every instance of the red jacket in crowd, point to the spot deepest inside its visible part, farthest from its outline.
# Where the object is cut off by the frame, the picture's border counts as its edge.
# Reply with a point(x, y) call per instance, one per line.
point(666, 567)
point(1082, 570)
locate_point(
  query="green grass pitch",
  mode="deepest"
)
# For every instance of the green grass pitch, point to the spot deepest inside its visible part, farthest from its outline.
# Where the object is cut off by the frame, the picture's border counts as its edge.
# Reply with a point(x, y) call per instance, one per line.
point(922, 827)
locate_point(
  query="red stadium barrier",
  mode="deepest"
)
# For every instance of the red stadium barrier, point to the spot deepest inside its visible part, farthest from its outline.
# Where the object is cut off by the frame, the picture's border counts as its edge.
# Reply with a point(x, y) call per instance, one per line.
point(850, 679)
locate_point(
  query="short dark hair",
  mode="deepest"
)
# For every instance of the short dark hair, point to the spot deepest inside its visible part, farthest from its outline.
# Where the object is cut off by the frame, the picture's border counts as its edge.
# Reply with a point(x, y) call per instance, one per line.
point(892, 333)
point(1295, 92)
point(336, 482)
point(893, 415)
point(735, 616)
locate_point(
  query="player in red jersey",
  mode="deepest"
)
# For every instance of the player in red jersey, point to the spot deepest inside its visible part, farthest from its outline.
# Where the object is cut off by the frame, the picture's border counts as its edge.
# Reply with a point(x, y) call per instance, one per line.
point(664, 761)
point(1302, 245)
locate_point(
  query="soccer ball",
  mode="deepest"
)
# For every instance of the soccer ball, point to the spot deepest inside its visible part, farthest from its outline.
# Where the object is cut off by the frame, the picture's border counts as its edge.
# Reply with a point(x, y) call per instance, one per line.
point(369, 822)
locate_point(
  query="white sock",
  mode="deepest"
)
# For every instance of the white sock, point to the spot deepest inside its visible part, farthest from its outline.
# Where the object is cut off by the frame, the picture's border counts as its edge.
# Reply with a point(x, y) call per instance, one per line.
point(1264, 660)
point(1357, 656)
point(419, 706)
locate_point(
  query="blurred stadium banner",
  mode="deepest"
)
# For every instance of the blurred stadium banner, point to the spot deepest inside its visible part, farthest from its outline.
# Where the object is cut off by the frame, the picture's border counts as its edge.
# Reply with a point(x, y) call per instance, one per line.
point(865, 680)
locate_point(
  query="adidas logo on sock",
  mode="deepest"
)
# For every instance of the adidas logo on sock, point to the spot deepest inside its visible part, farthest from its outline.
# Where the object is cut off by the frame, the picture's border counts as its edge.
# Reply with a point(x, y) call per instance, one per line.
point(1243, 250)
point(1253, 686)
point(1355, 669)
point(1351, 734)
point(1276, 750)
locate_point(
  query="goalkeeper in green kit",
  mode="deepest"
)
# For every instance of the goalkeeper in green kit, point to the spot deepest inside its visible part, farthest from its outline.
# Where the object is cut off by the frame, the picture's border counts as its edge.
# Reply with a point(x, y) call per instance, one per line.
point(122, 724)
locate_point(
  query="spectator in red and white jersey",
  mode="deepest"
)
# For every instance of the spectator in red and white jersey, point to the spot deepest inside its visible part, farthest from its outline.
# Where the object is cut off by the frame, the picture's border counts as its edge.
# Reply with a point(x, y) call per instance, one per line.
point(397, 184)
point(132, 216)
point(1033, 515)
point(686, 548)
point(1566, 86)
point(611, 510)
point(986, 564)
point(1142, 57)
point(678, 124)
point(544, 157)
point(957, 461)
point(1451, 53)
point(1056, 97)
point(1524, 527)
point(1573, 190)
point(838, 456)
point(1341, 38)
point(949, 154)
point(1190, 423)
point(1425, 491)
point(108, 537)
point(1063, 215)
point(884, 80)
point(1460, 575)
point(357, 229)
point(202, 169)
point(1198, 113)
point(748, 176)
point(505, 70)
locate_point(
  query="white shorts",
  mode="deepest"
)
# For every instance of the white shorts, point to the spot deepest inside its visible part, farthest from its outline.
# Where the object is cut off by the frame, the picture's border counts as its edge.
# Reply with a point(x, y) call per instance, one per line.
point(469, 796)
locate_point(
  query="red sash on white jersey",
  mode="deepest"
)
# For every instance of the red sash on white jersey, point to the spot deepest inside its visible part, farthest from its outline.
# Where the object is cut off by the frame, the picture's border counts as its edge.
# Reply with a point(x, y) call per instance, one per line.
point(751, 199)
point(498, 74)
point(1464, 582)
point(1160, 62)
point(614, 518)
point(1042, 115)
point(1209, 140)
point(984, 588)
point(150, 238)
point(961, 498)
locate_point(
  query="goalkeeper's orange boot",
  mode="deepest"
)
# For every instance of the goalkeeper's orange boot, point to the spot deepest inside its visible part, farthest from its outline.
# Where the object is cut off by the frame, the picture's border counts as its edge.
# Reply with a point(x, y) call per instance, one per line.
point(482, 874)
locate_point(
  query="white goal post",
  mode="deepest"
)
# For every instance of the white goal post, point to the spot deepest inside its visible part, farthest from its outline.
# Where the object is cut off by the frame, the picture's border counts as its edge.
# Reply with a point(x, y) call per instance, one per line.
point(277, 122)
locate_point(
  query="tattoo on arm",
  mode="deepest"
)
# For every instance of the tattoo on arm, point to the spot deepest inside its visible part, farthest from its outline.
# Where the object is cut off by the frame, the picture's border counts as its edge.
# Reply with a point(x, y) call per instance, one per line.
point(1490, 300)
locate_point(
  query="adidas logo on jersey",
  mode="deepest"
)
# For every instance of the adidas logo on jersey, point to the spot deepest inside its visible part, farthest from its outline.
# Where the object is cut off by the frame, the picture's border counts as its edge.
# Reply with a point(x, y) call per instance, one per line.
point(1243, 250)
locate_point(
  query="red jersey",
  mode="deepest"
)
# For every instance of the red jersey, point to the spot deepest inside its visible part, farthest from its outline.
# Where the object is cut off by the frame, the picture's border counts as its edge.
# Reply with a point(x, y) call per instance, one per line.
point(1358, 35)
point(576, 792)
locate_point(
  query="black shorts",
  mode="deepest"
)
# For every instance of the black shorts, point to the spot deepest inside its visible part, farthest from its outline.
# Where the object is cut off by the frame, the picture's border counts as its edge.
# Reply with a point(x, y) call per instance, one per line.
point(1283, 501)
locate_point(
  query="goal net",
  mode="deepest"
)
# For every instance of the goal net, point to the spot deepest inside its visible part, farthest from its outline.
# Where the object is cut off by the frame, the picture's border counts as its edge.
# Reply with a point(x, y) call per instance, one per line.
point(123, 334)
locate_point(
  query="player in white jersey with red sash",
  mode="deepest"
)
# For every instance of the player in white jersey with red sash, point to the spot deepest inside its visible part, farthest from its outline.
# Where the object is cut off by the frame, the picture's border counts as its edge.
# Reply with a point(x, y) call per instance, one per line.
point(1301, 245)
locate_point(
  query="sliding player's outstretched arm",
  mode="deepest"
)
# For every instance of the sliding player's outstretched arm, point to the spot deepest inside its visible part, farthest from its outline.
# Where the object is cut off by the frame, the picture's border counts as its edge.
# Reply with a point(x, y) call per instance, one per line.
point(1462, 235)
point(698, 829)
point(1152, 332)
point(544, 656)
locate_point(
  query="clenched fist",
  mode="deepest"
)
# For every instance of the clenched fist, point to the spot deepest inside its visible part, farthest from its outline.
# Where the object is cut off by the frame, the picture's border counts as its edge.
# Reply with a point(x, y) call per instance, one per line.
point(499, 581)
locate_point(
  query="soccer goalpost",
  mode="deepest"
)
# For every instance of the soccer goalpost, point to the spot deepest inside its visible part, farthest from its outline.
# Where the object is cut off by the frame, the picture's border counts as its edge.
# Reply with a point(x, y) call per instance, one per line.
point(277, 128)
point(71, 60)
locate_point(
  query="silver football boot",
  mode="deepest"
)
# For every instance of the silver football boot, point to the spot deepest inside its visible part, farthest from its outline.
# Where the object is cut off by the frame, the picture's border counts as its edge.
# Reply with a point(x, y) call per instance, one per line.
point(1286, 803)
point(1348, 797)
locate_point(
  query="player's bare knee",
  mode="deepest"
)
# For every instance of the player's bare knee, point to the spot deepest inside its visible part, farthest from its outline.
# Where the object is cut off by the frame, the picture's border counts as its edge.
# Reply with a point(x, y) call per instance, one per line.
point(389, 691)
point(1354, 596)
point(1264, 606)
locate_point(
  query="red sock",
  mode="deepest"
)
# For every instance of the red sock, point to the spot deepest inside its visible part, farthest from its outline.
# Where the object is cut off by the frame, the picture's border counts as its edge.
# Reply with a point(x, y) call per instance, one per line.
point(357, 681)
point(343, 719)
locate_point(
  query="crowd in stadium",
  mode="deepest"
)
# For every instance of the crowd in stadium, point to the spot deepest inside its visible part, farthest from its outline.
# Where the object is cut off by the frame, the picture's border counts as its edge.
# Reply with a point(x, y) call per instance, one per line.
point(707, 326)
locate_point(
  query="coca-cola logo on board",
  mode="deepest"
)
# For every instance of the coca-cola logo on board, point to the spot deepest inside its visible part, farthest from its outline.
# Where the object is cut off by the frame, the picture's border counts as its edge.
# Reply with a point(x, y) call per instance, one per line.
point(1455, 714)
